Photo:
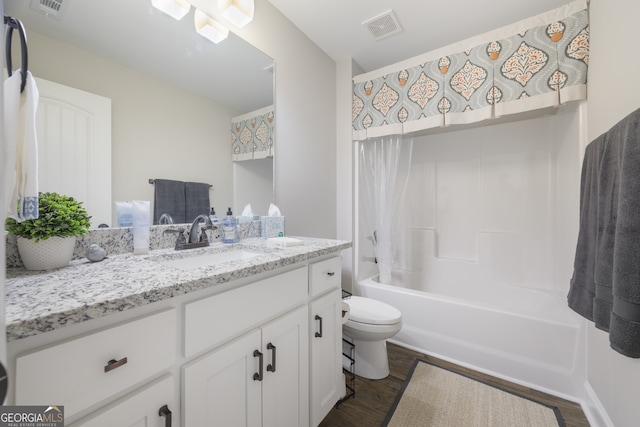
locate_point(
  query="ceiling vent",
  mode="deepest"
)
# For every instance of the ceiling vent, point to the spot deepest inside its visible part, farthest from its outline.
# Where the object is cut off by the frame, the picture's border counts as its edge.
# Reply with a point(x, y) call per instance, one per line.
point(51, 8)
point(383, 25)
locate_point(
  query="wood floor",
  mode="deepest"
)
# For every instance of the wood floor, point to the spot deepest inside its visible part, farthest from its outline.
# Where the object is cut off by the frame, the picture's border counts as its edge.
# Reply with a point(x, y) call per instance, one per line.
point(374, 398)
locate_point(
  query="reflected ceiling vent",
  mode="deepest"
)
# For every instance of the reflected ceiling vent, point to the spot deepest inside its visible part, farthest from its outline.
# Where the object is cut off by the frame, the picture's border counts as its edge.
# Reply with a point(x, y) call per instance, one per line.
point(51, 8)
point(383, 25)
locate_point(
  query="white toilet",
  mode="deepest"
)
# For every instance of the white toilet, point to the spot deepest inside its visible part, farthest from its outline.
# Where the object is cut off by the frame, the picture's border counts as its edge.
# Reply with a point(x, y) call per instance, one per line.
point(370, 324)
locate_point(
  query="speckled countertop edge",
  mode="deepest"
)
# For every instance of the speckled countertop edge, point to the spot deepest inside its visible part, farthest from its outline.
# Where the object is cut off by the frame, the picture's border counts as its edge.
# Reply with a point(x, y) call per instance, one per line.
point(38, 302)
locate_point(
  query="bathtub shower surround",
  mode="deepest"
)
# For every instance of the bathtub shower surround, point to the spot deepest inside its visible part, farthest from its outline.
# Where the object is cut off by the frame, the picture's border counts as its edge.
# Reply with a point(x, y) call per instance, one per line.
point(605, 286)
point(486, 240)
point(385, 163)
point(537, 63)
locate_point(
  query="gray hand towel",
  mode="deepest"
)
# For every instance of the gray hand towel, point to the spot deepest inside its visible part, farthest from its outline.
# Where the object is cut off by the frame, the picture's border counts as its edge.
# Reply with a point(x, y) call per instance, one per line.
point(583, 287)
point(169, 198)
point(607, 201)
point(196, 200)
point(605, 286)
point(624, 334)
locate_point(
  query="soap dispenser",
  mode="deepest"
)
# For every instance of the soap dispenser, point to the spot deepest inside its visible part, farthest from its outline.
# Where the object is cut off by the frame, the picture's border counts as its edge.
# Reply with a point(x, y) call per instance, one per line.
point(229, 228)
point(212, 216)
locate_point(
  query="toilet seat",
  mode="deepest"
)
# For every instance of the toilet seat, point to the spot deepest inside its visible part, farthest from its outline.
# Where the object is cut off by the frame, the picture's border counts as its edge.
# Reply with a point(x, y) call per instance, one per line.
point(372, 312)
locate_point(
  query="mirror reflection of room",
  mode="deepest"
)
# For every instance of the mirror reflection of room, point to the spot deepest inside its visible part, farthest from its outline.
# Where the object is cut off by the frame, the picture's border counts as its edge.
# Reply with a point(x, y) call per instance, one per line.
point(162, 114)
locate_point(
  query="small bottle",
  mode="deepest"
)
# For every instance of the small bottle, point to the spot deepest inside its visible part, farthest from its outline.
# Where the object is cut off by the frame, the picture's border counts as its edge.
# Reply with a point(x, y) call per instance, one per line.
point(212, 216)
point(229, 228)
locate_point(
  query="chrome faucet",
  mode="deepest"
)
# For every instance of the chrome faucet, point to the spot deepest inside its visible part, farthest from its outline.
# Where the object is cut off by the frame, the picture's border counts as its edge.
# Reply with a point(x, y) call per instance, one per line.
point(165, 218)
point(194, 241)
point(193, 232)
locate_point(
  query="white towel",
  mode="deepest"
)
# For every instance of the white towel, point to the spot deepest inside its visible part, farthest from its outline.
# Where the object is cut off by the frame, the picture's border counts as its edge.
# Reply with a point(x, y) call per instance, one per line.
point(20, 174)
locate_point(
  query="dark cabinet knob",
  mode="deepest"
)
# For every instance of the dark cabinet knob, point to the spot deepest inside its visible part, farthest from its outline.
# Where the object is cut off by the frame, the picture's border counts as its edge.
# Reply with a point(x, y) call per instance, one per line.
point(113, 364)
point(272, 366)
point(165, 412)
point(258, 375)
point(319, 334)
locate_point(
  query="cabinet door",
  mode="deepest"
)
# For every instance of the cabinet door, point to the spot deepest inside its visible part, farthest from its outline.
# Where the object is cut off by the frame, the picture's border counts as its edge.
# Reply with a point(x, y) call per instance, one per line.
point(220, 389)
point(327, 382)
point(285, 388)
point(151, 407)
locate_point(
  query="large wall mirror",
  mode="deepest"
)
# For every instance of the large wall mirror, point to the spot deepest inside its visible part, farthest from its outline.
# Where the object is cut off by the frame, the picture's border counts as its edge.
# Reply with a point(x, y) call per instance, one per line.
point(172, 93)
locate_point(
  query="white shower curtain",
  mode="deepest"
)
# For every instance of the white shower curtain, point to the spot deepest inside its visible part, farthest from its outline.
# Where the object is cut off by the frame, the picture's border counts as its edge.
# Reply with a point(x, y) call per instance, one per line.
point(385, 164)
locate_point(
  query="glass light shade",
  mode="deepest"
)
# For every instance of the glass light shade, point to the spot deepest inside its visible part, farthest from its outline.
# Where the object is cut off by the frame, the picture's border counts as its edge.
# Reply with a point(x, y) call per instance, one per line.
point(176, 9)
point(238, 12)
point(209, 28)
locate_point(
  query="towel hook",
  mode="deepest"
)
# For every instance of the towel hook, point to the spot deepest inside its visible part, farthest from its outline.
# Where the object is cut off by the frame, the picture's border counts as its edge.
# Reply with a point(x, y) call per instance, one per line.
point(14, 23)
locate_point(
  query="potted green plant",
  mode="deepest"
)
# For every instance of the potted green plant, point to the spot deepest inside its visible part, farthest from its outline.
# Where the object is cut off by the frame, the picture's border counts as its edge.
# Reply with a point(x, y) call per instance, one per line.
point(48, 241)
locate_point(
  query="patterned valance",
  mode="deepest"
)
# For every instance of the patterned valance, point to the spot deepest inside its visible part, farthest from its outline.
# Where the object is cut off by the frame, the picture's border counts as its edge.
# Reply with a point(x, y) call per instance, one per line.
point(536, 63)
point(252, 135)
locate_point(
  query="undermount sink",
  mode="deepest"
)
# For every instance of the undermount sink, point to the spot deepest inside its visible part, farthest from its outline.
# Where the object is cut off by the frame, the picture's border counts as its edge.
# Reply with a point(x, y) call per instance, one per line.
point(205, 260)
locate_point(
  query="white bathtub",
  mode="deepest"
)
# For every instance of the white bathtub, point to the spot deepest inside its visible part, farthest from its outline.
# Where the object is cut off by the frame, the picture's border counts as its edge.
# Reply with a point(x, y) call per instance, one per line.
point(526, 336)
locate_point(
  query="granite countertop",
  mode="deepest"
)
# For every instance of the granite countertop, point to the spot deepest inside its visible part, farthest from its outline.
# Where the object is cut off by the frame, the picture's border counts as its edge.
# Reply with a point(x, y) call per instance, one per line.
point(38, 302)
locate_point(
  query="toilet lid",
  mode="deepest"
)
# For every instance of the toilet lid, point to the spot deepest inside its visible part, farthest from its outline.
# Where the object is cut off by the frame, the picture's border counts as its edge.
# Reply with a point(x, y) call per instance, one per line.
point(371, 311)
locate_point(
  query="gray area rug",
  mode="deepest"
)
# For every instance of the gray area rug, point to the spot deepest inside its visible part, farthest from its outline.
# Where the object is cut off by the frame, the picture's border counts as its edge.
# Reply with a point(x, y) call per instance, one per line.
point(434, 396)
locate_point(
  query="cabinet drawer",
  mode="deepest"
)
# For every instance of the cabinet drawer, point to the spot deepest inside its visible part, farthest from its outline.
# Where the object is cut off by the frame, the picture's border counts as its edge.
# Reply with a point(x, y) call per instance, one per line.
point(140, 408)
point(325, 275)
point(77, 373)
point(215, 319)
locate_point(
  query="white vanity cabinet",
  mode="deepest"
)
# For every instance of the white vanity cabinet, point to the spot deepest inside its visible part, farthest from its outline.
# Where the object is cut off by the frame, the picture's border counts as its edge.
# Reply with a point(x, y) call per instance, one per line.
point(153, 406)
point(259, 379)
point(325, 312)
point(263, 350)
point(86, 370)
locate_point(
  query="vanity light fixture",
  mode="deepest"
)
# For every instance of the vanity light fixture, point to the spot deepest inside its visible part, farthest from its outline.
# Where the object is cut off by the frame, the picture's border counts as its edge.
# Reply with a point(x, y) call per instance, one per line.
point(210, 28)
point(176, 9)
point(237, 12)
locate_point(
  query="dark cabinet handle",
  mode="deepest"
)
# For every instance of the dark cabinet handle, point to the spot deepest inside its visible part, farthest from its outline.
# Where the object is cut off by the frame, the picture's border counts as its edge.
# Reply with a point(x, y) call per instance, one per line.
point(113, 364)
point(258, 375)
point(165, 412)
point(272, 366)
point(331, 273)
point(319, 334)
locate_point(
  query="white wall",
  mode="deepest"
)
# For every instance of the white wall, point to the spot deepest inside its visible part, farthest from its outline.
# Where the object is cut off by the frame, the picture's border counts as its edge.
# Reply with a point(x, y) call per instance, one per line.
point(158, 130)
point(305, 103)
point(253, 184)
point(305, 144)
point(614, 92)
point(345, 191)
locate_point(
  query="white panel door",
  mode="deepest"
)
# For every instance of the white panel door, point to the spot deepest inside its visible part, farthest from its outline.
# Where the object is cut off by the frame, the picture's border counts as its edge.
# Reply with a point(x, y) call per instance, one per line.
point(74, 147)
point(285, 387)
point(220, 388)
point(327, 382)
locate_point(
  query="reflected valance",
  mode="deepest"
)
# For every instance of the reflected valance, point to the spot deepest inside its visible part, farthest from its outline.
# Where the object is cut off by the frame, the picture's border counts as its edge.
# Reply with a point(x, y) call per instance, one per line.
point(536, 63)
point(252, 134)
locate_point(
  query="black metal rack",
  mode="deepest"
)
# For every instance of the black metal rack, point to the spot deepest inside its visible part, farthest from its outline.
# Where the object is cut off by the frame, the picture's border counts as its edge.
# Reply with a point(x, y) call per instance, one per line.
point(349, 352)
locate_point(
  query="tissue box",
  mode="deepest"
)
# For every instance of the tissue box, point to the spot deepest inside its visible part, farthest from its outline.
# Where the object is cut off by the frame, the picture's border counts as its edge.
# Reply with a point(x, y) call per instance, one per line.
point(272, 226)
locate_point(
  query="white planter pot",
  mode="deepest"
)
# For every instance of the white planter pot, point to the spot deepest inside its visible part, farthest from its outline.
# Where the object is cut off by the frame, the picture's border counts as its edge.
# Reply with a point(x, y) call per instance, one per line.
point(55, 252)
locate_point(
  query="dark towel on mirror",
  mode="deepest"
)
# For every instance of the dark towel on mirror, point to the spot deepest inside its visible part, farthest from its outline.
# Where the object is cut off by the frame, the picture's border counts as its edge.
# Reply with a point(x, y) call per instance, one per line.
point(196, 199)
point(169, 198)
point(605, 286)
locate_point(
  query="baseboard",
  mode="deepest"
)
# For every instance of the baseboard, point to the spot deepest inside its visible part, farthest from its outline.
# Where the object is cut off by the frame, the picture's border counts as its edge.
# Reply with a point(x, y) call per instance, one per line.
point(593, 409)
